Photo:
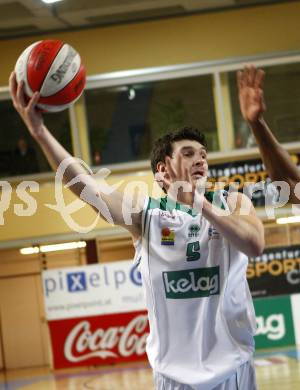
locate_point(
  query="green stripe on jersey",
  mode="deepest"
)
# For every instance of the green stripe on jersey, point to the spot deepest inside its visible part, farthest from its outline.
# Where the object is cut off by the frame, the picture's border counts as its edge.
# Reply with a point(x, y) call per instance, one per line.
point(168, 204)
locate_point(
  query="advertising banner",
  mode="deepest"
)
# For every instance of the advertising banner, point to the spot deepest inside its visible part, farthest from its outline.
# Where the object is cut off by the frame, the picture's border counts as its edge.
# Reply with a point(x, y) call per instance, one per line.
point(275, 272)
point(102, 339)
point(96, 314)
point(92, 290)
point(275, 322)
point(247, 171)
point(295, 301)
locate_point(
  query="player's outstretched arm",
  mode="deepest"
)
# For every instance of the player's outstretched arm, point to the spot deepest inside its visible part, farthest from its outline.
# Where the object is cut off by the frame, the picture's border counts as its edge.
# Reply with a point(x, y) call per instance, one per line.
point(276, 159)
point(95, 193)
point(241, 227)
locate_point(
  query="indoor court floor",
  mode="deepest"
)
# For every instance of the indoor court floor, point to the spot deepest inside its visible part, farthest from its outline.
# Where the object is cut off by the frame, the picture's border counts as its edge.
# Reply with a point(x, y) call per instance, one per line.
point(278, 370)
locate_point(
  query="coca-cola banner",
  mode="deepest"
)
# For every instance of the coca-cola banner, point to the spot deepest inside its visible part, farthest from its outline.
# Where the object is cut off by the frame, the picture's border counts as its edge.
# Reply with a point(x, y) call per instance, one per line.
point(96, 314)
point(93, 290)
point(97, 340)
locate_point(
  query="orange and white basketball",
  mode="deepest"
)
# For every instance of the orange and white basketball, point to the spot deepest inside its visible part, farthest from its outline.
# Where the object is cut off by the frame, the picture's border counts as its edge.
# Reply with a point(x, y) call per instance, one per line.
point(55, 70)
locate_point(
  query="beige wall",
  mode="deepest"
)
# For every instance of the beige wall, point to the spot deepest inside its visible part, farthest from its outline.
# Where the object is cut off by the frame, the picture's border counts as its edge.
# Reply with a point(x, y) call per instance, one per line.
point(23, 327)
point(1, 349)
point(114, 249)
point(202, 37)
point(20, 322)
point(46, 221)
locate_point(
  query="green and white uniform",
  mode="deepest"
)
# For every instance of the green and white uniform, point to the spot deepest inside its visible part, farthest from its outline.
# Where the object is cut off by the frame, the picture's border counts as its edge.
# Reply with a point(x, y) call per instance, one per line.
point(200, 309)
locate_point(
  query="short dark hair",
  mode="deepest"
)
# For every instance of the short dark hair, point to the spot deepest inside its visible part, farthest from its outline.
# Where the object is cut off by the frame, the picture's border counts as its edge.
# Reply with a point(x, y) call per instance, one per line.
point(164, 146)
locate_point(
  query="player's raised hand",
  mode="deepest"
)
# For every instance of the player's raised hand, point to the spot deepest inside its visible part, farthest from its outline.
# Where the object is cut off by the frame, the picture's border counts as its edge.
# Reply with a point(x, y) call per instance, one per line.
point(177, 179)
point(251, 97)
point(31, 116)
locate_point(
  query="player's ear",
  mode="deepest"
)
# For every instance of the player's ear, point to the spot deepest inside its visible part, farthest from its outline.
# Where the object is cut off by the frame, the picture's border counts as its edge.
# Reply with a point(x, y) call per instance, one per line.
point(161, 167)
point(160, 174)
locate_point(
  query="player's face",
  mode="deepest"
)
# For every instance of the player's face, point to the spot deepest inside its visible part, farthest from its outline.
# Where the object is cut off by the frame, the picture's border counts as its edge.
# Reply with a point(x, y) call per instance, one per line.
point(193, 157)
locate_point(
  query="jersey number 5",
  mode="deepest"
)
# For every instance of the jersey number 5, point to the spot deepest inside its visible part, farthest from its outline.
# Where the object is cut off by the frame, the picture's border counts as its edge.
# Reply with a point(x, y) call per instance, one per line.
point(193, 251)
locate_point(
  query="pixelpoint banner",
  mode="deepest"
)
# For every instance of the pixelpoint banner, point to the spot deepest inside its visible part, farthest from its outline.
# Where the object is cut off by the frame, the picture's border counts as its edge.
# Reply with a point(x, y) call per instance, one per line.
point(93, 290)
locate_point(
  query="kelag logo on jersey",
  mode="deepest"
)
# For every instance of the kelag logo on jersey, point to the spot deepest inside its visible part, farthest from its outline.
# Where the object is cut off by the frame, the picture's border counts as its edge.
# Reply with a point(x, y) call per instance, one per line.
point(192, 283)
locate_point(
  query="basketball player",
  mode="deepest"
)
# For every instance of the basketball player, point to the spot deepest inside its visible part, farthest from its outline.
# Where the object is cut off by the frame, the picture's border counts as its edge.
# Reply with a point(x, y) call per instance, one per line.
point(193, 264)
point(278, 162)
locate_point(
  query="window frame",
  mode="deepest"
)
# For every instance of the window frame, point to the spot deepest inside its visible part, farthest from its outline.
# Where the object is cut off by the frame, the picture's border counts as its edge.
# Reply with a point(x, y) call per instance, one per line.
point(127, 77)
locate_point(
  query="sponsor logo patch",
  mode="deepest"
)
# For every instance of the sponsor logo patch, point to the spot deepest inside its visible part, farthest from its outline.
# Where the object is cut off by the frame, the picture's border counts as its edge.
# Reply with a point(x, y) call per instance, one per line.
point(194, 230)
point(167, 236)
point(169, 218)
point(167, 215)
point(213, 234)
point(192, 283)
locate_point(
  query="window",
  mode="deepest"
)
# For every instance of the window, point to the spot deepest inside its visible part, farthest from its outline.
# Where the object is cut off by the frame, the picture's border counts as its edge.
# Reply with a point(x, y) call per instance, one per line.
point(124, 121)
point(19, 153)
point(282, 95)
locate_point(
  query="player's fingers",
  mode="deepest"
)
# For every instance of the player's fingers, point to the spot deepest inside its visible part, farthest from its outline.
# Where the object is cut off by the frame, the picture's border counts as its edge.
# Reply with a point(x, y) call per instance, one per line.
point(244, 77)
point(183, 173)
point(187, 175)
point(247, 75)
point(13, 87)
point(180, 169)
point(33, 101)
point(262, 100)
point(259, 79)
point(201, 185)
point(251, 77)
point(159, 178)
point(170, 169)
point(20, 94)
point(239, 79)
point(199, 194)
point(167, 183)
point(163, 180)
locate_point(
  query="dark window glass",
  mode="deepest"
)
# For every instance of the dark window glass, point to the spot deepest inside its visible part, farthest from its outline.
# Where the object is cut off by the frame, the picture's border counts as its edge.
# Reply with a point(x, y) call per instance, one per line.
point(19, 153)
point(125, 121)
point(282, 95)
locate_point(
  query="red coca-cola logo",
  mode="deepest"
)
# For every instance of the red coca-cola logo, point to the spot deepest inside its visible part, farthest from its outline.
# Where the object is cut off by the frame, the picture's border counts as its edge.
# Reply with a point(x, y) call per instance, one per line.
point(128, 340)
point(99, 340)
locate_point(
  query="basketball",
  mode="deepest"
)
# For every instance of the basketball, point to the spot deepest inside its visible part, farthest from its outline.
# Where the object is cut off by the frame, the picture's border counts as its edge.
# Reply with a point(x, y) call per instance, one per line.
point(55, 70)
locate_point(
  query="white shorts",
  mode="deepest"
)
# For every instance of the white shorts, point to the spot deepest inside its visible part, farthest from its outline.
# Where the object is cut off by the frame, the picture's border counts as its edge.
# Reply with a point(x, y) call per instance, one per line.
point(242, 379)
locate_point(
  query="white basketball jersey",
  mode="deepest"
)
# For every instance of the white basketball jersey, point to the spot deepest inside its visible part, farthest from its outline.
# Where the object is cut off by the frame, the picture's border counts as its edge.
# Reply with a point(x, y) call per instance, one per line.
point(200, 309)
